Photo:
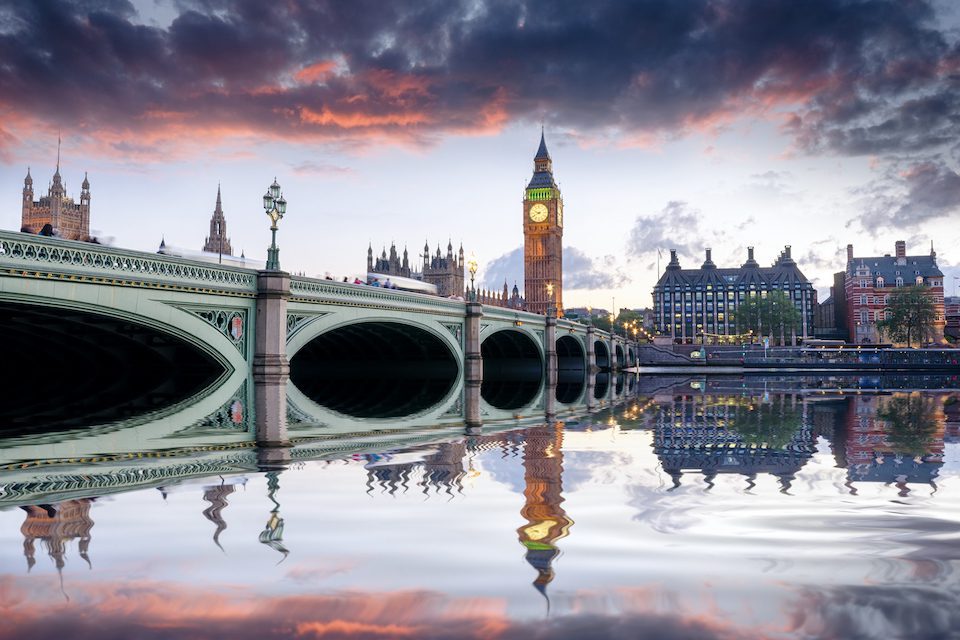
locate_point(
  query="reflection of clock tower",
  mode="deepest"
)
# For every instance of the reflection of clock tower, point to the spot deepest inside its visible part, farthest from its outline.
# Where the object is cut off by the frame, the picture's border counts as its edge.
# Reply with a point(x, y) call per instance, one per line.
point(542, 236)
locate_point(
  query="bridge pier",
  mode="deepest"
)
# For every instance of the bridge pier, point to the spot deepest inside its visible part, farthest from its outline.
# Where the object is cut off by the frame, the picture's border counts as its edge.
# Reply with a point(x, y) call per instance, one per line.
point(271, 369)
point(473, 366)
point(591, 352)
point(550, 352)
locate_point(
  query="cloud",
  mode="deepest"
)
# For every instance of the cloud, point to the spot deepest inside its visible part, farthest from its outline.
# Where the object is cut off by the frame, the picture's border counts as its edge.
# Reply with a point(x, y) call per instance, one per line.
point(676, 226)
point(580, 271)
point(857, 77)
point(911, 194)
point(308, 167)
point(148, 610)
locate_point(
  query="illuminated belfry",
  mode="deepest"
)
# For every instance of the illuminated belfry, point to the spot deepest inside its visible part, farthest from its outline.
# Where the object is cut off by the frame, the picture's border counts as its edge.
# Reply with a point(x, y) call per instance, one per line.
point(542, 236)
point(547, 522)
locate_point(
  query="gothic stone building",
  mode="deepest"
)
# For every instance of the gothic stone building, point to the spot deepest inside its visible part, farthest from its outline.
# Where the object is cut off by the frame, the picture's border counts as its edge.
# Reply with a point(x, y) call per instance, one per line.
point(869, 281)
point(446, 272)
point(542, 236)
point(689, 303)
point(218, 242)
point(70, 220)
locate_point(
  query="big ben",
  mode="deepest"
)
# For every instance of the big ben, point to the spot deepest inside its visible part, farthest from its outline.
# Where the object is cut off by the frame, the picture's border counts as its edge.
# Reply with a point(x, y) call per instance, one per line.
point(543, 236)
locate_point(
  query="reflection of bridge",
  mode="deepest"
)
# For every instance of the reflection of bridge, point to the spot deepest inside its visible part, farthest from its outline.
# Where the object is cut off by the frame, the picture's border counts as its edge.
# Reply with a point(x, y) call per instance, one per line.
point(92, 321)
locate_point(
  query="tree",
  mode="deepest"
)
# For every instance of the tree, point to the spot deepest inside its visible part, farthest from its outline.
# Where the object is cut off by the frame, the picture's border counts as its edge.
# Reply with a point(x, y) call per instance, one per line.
point(910, 314)
point(774, 315)
point(913, 423)
point(774, 423)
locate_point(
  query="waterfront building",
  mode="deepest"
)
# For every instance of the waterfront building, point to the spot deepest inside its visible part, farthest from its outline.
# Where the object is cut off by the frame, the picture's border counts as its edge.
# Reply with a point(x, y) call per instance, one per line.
point(869, 281)
point(506, 298)
point(446, 272)
point(69, 219)
point(951, 311)
point(692, 304)
point(218, 242)
point(54, 525)
point(542, 236)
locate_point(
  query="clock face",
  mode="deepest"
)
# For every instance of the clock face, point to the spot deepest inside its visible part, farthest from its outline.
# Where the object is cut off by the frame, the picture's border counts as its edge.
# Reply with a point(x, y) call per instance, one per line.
point(538, 212)
point(560, 215)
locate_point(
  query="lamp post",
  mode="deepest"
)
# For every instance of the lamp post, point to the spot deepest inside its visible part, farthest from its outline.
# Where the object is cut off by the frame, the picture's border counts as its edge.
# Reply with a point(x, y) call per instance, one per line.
point(472, 268)
point(275, 206)
point(589, 316)
point(549, 296)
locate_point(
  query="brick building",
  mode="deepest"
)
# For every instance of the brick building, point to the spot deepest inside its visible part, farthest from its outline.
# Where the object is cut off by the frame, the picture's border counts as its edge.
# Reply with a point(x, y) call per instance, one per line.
point(869, 281)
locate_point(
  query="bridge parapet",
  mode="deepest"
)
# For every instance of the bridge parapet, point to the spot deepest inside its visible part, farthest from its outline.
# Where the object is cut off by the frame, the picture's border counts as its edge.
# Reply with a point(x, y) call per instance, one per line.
point(44, 257)
point(316, 291)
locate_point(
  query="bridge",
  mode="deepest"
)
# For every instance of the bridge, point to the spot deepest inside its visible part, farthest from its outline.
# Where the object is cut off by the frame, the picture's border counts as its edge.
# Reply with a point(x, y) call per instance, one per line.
point(90, 328)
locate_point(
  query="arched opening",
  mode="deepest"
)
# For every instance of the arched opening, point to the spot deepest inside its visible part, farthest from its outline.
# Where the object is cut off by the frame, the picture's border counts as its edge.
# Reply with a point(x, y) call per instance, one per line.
point(512, 370)
point(619, 356)
point(620, 382)
point(631, 357)
point(601, 384)
point(69, 369)
point(601, 354)
point(375, 370)
point(571, 369)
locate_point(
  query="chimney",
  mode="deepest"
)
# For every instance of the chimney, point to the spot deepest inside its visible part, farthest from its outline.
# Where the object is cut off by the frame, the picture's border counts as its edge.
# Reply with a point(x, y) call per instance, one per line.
point(750, 254)
point(901, 249)
point(708, 255)
point(849, 253)
point(786, 252)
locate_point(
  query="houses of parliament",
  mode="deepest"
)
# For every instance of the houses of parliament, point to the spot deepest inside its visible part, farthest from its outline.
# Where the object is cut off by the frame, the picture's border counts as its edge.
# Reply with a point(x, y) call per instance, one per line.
point(542, 251)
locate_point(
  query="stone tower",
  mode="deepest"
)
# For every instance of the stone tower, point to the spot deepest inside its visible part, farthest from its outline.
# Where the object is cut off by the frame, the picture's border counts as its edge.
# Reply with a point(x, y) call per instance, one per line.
point(217, 241)
point(542, 236)
point(69, 220)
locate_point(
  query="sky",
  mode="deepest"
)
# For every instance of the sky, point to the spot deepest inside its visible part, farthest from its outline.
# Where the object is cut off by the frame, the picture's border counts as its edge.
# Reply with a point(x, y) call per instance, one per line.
point(672, 125)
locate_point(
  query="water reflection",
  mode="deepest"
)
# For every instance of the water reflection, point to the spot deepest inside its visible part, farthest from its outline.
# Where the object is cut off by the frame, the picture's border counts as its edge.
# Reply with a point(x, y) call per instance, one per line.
point(714, 508)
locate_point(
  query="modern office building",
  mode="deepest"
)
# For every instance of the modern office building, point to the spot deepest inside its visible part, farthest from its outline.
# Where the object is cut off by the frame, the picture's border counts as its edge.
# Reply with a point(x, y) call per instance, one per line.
point(690, 305)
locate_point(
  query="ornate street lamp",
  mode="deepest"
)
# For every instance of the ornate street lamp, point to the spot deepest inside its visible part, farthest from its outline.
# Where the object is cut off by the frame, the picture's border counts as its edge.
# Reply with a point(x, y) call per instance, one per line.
point(589, 316)
point(472, 268)
point(550, 295)
point(275, 206)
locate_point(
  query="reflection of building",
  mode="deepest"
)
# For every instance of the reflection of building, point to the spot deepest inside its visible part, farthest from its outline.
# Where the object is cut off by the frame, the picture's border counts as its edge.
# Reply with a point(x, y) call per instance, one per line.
point(874, 450)
point(217, 497)
point(542, 236)
point(546, 520)
point(708, 434)
point(55, 525)
point(69, 219)
point(869, 281)
point(689, 303)
point(442, 469)
point(446, 272)
point(217, 241)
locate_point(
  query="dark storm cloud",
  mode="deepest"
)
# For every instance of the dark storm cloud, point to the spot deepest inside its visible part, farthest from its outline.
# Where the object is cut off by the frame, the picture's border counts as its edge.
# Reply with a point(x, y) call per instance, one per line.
point(580, 271)
point(911, 194)
point(861, 77)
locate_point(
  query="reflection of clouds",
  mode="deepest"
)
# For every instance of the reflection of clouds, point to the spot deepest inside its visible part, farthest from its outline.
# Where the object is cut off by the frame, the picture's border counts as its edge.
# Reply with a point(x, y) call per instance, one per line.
point(148, 610)
point(892, 611)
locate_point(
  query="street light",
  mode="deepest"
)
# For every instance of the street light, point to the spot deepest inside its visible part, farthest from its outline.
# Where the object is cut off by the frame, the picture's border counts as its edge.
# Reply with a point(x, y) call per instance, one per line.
point(549, 296)
point(472, 268)
point(589, 316)
point(275, 206)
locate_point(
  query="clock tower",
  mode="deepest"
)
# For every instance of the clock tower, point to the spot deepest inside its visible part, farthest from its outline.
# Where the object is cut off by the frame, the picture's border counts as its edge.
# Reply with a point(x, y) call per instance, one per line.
point(542, 236)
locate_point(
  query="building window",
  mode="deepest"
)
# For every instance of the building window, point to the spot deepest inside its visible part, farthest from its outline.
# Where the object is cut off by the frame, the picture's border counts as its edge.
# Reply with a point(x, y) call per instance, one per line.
point(863, 299)
point(919, 280)
point(863, 317)
point(879, 282)
point(899, 282)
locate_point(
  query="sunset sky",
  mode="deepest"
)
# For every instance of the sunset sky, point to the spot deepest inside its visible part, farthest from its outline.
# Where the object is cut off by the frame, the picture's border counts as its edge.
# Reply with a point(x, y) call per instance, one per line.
point(672, 125)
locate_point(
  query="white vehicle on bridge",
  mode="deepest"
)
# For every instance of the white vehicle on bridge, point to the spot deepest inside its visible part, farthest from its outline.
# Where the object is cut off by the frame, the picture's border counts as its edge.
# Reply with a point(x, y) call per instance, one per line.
point(398, 282)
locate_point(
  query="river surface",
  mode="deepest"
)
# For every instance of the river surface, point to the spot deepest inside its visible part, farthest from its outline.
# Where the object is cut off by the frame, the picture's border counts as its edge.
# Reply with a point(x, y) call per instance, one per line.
point(694, 508)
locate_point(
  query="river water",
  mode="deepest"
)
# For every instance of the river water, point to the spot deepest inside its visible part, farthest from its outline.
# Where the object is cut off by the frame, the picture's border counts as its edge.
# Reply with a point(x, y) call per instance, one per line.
point(693, 508)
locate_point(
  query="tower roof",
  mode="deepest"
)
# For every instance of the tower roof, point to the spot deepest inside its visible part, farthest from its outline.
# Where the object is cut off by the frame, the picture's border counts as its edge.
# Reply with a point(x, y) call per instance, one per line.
point(542, 151)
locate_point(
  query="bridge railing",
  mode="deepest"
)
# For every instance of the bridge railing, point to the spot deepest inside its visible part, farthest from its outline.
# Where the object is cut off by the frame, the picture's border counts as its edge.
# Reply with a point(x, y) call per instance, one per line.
point(313, 290)
point(52, 257)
